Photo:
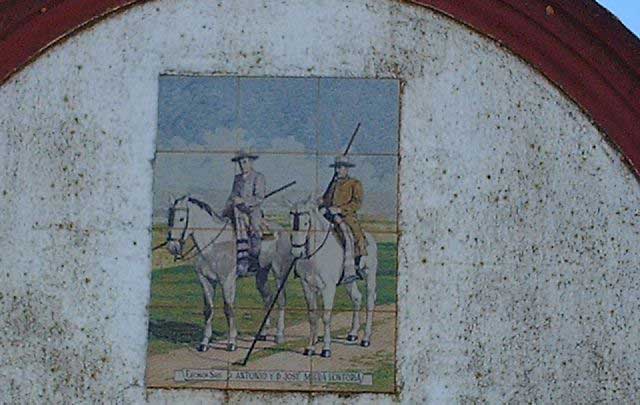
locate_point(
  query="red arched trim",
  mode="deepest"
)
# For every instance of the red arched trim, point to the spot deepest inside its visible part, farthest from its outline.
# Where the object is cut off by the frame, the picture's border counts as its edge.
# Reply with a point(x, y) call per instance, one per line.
point(579, 46)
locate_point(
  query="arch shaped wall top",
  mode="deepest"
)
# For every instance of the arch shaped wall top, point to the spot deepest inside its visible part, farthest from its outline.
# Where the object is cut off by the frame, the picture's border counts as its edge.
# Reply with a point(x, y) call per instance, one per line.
point(581, 47)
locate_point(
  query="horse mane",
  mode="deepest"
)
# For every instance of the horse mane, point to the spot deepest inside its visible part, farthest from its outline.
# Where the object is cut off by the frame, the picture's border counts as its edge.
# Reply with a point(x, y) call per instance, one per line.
point(177, 200)
point(319, 218)
point(206, 207)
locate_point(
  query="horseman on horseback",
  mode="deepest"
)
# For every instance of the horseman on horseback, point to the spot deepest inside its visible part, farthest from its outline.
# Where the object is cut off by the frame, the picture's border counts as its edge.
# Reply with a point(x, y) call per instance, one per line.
point(340, 204)
point(243, 207)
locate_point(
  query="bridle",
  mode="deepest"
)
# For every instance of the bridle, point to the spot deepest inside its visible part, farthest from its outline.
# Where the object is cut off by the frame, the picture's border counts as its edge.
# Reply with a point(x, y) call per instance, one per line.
point(183, 235)
point(170, 221)
point(296, 228)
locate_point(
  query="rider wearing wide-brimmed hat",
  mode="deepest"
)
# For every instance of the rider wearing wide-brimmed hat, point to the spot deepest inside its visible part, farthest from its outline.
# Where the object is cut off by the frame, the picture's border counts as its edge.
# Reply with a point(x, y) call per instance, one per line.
point(245, 200)
point(341, 202)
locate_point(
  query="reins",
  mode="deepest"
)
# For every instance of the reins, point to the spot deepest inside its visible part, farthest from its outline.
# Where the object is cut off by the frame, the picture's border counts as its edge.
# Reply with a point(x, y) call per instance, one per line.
point(296, 222)
point(160, 245)
point(183, 238)
point(200, 250)
point(326, 236)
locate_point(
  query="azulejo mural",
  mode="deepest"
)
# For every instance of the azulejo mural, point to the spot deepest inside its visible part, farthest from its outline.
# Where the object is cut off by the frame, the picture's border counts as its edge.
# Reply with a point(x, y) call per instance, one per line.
point(275, 234)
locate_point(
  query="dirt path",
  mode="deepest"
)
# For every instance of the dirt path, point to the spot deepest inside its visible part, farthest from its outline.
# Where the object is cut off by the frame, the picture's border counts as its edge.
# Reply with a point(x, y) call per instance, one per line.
point(346, 356)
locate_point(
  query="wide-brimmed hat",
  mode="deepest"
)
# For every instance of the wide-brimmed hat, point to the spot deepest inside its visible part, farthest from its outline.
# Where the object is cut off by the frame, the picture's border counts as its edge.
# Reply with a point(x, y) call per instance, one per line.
point(242, 153)
point(342, 161)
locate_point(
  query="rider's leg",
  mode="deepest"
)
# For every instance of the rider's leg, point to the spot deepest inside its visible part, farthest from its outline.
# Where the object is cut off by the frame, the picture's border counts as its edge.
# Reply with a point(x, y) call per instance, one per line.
point(360, 244)
point(360, 240)
point(242, 243)
point(348, 262)
point(255, 243)
point(242, 264)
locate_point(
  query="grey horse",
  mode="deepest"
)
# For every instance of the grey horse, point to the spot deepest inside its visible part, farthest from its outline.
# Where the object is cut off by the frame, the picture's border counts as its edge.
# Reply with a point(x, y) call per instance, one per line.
point(214, 255)
point(320, 264)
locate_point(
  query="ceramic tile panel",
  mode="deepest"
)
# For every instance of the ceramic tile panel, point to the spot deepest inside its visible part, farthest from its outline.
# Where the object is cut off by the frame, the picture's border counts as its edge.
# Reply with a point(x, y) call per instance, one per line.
point(253, 192)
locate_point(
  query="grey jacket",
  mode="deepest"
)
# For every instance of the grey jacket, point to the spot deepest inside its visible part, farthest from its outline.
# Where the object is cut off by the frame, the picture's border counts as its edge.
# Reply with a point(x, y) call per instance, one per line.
point(251, 189)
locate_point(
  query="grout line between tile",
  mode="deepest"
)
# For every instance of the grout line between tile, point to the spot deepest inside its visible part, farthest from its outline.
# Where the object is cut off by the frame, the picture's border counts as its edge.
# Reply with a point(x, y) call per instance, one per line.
point(238, 117)
point(318, 155)
point(317, 150)
point(297, 309)
point(272, 152)
point(371, 231)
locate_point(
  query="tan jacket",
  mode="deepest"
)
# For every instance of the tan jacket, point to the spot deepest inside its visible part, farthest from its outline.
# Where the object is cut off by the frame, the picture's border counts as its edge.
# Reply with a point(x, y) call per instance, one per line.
point(345, 194)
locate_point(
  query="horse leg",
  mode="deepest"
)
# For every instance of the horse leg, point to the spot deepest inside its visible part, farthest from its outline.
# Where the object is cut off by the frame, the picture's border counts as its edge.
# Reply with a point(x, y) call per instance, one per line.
point(312, 306)
point(371, 303)
point(229, 295)
point(356, 300)
point(208, 293)
point(262, 284)
point(328, 295)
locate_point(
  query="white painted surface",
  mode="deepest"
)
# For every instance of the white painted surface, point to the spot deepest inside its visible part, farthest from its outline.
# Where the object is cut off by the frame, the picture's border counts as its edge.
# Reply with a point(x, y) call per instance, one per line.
point(519, 262)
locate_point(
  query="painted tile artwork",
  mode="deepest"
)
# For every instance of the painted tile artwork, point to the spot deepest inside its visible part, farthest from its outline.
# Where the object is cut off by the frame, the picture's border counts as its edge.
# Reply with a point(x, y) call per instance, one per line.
point(275, 196)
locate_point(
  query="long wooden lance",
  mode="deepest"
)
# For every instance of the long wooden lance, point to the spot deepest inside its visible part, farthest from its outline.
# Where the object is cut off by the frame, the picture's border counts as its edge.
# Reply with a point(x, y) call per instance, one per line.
point(280, 288)
point(279, 189)
point(353, 137)
point(257, 336)
point(286, 186)
point(271, 305)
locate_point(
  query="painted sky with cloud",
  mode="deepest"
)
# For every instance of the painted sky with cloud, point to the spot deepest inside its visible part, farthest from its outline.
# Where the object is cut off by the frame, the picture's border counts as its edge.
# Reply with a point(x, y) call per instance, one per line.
point(298, 124)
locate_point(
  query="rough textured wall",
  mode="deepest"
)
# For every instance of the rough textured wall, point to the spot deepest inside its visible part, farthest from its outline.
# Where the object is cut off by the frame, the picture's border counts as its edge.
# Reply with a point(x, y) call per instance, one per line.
point(519, 260)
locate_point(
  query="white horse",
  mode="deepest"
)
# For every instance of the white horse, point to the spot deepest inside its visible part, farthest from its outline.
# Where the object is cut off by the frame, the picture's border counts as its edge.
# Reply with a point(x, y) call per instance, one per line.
point(320, 266)
point(215, 262)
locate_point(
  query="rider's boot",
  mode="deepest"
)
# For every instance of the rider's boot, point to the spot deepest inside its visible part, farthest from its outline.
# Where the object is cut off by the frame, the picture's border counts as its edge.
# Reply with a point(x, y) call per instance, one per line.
point(349, 273)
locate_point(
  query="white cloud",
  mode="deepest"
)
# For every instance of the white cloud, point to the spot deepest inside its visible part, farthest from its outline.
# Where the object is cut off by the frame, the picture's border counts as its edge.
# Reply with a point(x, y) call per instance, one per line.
point(211, 175)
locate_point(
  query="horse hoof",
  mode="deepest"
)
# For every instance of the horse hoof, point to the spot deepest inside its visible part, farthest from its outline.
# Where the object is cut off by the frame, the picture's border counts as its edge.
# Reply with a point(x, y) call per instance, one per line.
point(202, 347)
point(326, 353)
point(231, 347)
point(280, 339)
point(309, 352)
point(352, 338)
point(365, 343)
point(262, 338)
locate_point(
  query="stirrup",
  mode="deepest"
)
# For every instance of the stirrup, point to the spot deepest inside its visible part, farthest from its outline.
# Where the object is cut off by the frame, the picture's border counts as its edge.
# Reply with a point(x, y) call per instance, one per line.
point(349, 279)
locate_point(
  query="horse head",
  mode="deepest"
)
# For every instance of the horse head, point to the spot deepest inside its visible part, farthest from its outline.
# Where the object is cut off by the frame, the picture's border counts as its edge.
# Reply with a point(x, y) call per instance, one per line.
point(178, 224)
point(301, 226)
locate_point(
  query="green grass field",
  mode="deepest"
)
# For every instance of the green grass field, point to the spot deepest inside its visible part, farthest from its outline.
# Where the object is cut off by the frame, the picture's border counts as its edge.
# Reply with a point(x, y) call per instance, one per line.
point(176, 302)
point(176, 310)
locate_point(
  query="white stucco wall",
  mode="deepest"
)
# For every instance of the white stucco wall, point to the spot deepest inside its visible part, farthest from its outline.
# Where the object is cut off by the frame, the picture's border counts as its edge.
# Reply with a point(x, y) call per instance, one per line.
point(519, 259)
